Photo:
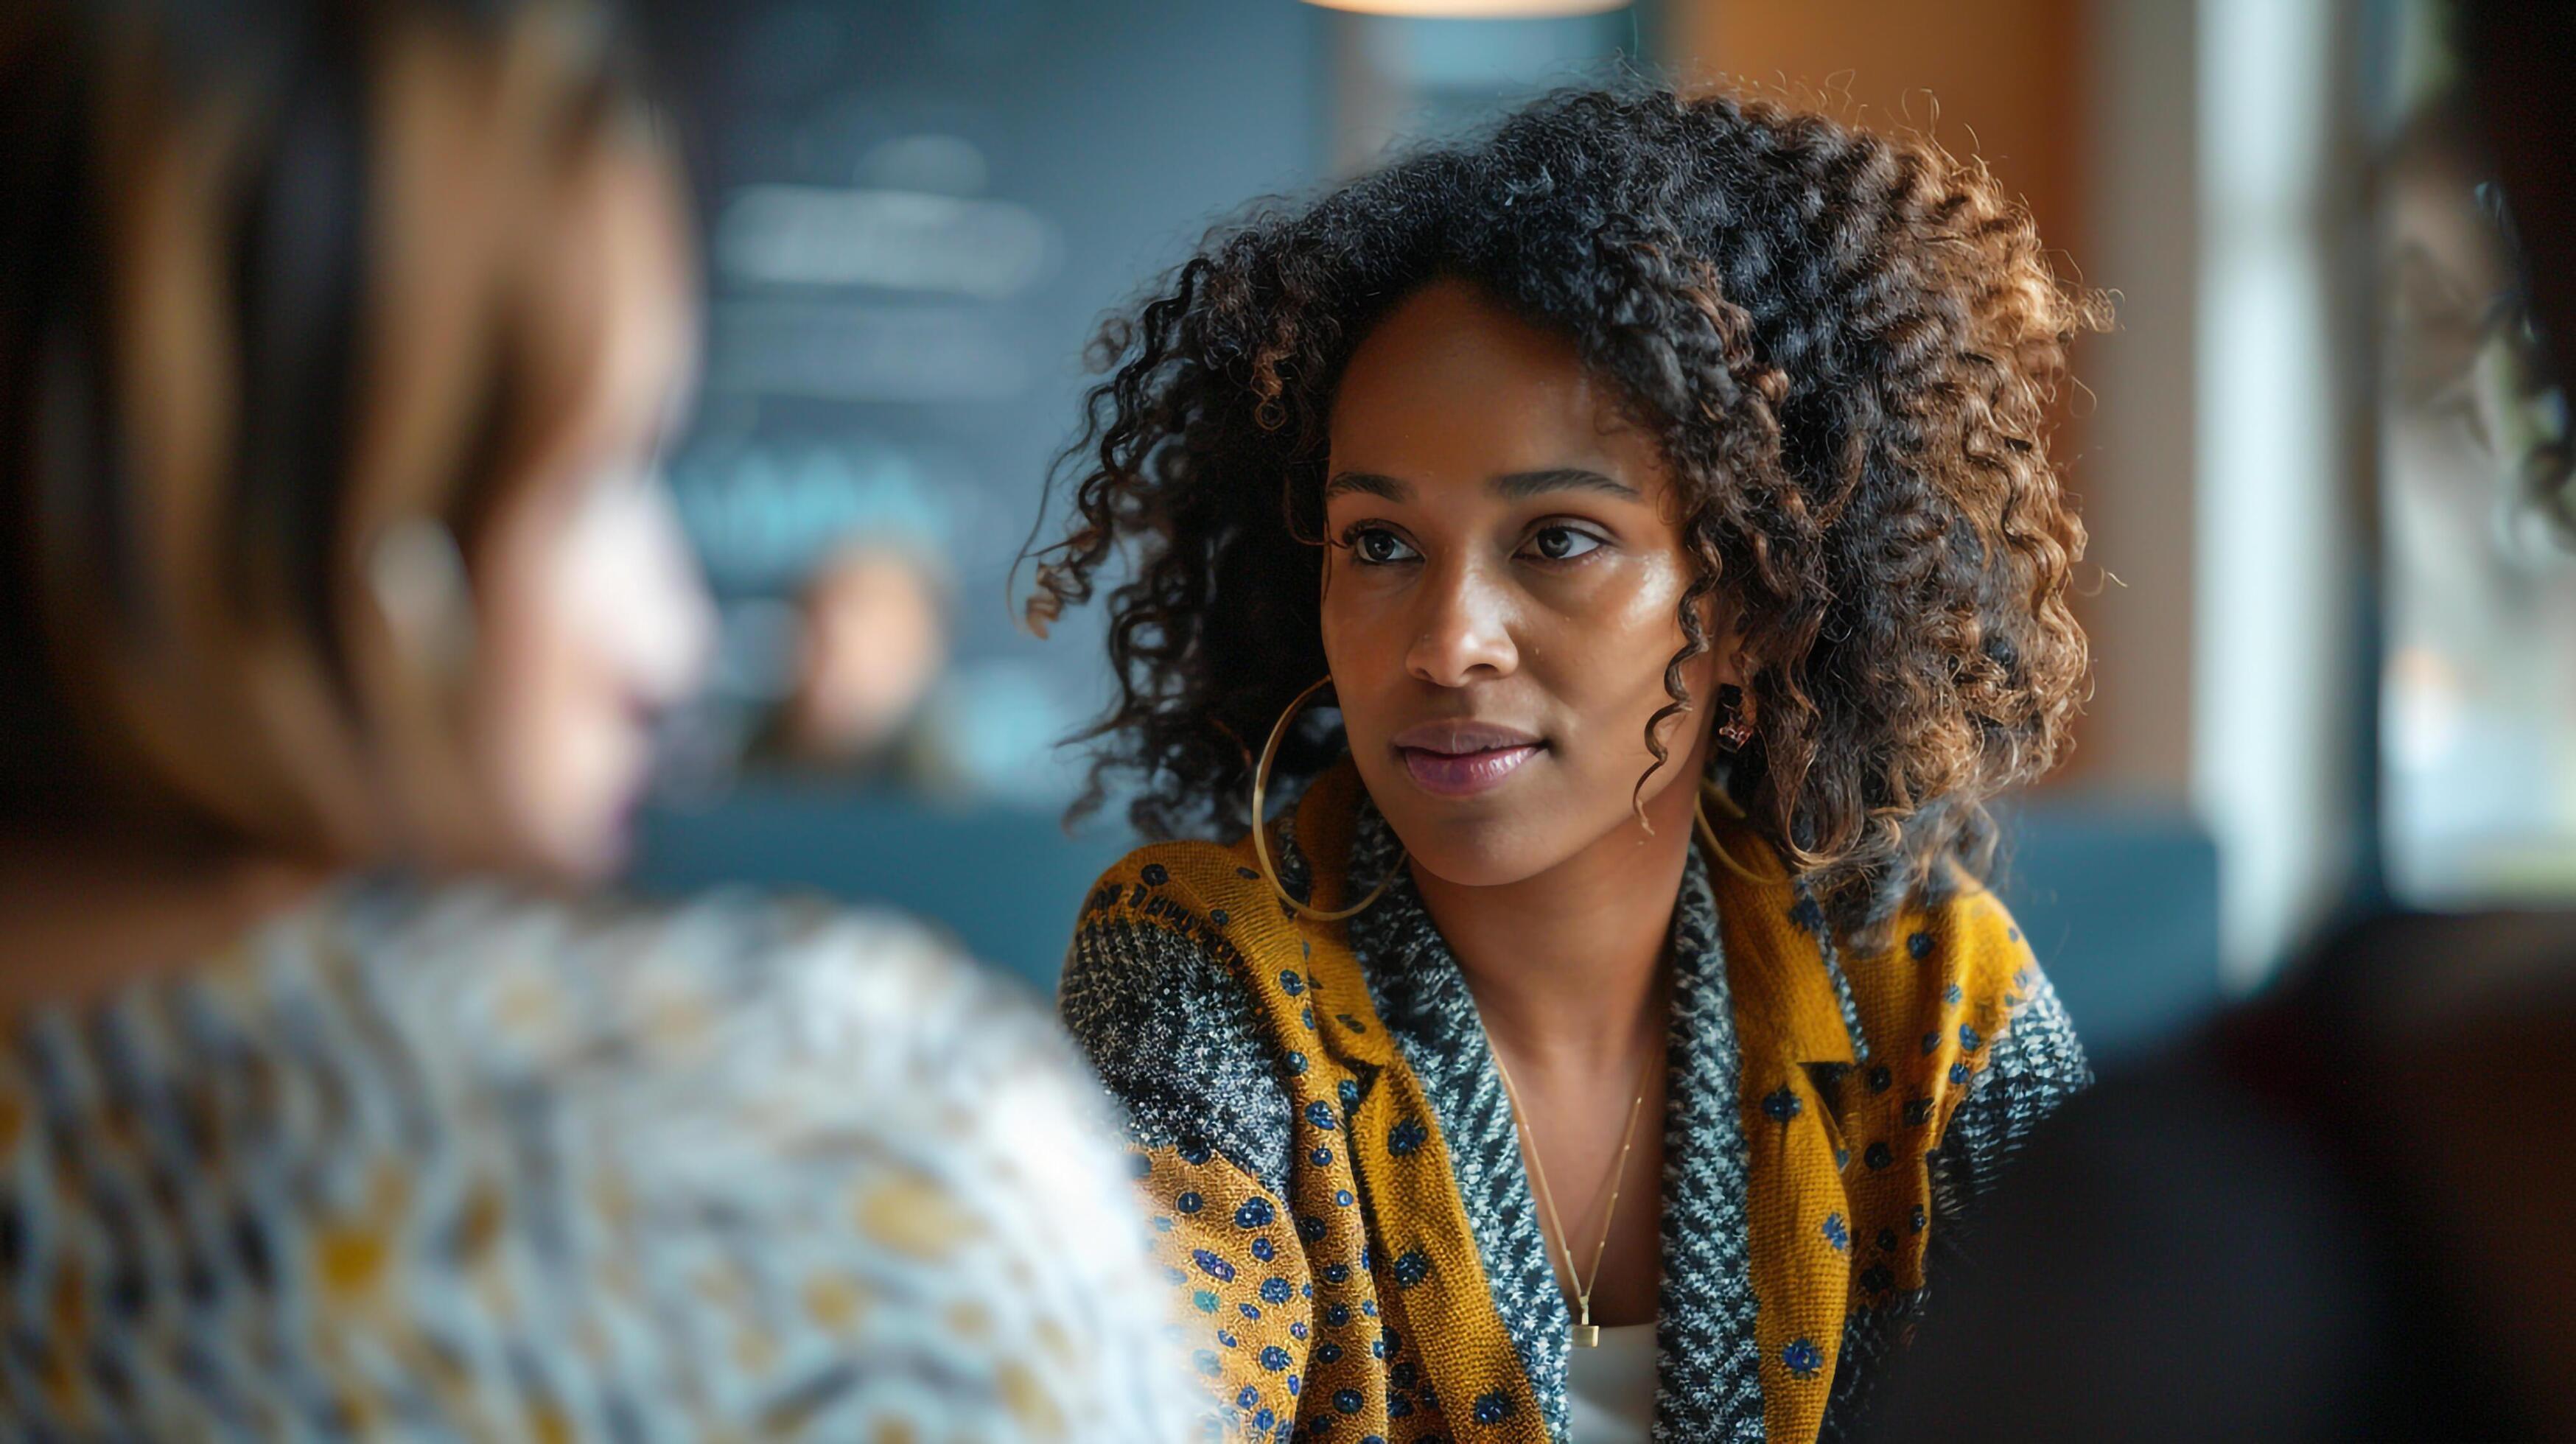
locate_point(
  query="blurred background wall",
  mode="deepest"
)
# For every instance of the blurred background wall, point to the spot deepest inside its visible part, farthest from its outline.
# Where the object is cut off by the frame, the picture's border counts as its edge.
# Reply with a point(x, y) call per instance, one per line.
point(919, 211)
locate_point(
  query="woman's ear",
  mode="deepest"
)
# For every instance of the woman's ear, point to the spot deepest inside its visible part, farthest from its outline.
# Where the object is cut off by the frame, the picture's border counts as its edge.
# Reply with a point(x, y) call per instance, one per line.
point(1729, 665)
point(1731, 668)
point(1734, 726)
point(1731, 671)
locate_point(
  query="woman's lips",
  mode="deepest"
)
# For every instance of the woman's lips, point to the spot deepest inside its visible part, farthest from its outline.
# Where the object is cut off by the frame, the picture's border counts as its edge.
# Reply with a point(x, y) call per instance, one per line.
point(1462, 758)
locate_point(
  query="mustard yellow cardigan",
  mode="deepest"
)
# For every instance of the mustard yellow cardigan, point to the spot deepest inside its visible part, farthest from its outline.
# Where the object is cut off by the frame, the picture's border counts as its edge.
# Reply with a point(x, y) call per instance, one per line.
point(1330, 1159)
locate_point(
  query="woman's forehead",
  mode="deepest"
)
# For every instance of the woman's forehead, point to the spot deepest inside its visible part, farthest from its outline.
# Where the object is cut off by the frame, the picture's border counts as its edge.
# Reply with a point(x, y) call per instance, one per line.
point(1453, 390)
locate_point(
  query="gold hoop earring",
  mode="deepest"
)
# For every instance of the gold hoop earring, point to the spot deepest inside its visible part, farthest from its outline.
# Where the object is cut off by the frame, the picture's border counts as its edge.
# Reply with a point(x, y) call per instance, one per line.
point(1708, 834)
point(1260, 829)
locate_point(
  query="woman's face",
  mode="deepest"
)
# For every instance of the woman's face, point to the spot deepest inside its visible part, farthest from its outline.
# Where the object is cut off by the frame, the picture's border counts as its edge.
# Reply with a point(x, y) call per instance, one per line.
point(592, 616)
point(1503, 594)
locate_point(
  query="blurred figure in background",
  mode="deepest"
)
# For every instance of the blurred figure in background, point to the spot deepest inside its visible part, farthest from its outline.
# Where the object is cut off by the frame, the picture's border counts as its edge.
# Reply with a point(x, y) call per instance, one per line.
point(2338, 1213)
point(872, 643)
point(834, 560)
point(337, 345)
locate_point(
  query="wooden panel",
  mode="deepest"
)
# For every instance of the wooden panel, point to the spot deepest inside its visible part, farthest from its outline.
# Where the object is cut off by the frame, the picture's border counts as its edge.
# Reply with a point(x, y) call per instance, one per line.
point(1996, 77)
point(2084, 110)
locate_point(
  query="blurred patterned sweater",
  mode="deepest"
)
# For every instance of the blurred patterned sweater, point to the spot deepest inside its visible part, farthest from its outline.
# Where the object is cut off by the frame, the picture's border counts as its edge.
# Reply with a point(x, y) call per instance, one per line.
point(1332, 1165)
point(460, 1165)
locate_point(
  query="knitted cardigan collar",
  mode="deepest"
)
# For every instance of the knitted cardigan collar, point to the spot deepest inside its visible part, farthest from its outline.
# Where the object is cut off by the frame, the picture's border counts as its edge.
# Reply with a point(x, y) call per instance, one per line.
point(1708, 1380)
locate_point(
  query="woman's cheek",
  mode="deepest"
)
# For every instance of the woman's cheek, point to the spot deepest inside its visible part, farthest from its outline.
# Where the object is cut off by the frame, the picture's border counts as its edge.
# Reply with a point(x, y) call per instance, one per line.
point(1638, 638)
point(1355, 649)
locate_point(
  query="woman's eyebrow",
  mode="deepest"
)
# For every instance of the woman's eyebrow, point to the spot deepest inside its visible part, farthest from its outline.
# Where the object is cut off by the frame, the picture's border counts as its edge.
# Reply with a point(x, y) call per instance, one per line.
point(1370, 483)
point(1522, 485)
point(1516, 486)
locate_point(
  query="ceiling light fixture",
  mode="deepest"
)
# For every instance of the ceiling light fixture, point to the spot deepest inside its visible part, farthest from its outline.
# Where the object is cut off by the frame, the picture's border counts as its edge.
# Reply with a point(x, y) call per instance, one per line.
point(1474, 9)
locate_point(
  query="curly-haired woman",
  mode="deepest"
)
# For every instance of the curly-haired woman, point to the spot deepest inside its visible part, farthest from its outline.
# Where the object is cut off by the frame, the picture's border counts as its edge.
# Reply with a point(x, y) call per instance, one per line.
point(1649, 470)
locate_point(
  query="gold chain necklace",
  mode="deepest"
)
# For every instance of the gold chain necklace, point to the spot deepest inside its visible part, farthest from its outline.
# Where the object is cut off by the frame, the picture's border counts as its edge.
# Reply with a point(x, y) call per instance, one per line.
point(1586, 1334)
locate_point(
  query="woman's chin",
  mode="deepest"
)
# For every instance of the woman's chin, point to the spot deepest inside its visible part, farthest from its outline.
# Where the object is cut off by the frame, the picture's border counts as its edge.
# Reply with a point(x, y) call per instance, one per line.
point(1474, 871)
point(1495, 837)
point(601, 848)
point(1478, 852)
point(573, 845)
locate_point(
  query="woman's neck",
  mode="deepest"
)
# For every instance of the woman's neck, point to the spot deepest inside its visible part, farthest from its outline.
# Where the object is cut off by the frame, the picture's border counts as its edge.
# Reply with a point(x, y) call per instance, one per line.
point(82, 916)
point(1566, 966)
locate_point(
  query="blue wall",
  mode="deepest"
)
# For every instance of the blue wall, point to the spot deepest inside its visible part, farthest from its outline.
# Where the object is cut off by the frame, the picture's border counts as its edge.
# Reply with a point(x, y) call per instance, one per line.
point(2120, 902)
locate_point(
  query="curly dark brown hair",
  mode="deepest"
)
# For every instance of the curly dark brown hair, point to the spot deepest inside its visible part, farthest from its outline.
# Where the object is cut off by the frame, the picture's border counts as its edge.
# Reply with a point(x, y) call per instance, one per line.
point(1848, 346)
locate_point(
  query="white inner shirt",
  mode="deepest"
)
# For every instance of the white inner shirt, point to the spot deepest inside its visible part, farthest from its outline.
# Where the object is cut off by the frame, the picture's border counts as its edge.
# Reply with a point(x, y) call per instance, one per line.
point(1612, 1388)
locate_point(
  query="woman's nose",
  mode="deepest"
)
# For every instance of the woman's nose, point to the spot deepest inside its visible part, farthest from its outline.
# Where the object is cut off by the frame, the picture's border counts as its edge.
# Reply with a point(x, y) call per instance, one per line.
point(1462, 630)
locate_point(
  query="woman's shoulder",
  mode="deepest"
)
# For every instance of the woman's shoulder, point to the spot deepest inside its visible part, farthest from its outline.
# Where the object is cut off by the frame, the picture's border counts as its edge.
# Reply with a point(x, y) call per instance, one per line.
point(529, 983)
point(1991, 1025)
point(627, 1115)
point(787, 1034)
point(1962, 934)
point(1947, 956)
point(1159, 990)
point(1954, 969)
point(1206, 916)
point(1944, 950)
point(1205, 898)
point(1218, 876)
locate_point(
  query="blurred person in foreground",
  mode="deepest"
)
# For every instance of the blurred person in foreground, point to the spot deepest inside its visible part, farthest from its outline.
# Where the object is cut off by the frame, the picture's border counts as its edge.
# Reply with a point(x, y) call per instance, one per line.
point(2341, 1213)
point(336, 346)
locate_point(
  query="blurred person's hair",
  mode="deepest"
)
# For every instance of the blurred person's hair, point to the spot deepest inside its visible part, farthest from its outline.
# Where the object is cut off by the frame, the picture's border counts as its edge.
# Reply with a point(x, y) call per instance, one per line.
point(2515, 57)
point(2466, 344)
point(292, 300)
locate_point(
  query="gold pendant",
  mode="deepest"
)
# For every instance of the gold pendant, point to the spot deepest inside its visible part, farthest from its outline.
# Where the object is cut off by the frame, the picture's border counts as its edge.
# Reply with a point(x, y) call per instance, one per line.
point(1587, 1336)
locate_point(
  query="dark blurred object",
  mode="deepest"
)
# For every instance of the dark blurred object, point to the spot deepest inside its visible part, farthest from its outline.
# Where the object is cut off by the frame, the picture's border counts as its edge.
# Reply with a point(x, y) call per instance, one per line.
point(2325, 1219)
point(2334, 1216)
point(2516, 57)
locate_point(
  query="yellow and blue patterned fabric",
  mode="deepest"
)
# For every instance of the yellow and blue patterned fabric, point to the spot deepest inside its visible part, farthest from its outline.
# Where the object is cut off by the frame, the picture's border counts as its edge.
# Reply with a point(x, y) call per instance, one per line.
point(457, 1166)
point(1331, 1164)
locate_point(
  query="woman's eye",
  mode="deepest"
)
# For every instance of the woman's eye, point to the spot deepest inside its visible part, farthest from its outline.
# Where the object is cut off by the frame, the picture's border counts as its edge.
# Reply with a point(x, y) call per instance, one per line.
point(1378, 547)
point(1563, 543)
